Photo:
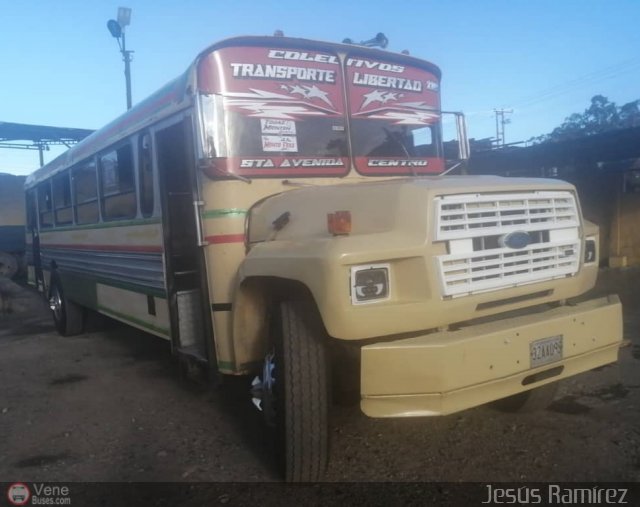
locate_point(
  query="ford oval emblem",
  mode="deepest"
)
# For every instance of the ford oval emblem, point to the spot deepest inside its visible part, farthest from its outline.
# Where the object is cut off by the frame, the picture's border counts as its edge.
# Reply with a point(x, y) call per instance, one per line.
point(516, 240)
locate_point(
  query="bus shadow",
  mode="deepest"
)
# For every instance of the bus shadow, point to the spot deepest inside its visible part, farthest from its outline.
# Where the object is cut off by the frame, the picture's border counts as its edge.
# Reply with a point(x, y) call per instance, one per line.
point(233, 397)
point(228, 395)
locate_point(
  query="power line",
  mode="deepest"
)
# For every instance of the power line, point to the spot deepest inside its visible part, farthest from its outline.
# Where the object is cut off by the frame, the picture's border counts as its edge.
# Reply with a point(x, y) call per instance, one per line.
point(592, 77)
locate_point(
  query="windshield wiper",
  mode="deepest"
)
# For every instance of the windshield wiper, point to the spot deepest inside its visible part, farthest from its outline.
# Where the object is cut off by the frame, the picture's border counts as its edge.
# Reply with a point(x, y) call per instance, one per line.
point(238, 177)
point(394, 136)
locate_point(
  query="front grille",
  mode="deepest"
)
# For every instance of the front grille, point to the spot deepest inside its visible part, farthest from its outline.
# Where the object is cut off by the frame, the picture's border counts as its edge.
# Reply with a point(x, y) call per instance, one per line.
point(473, 224)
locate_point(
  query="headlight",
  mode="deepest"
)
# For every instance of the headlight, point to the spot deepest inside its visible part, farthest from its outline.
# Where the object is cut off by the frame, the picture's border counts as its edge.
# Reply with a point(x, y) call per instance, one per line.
point(369, 283)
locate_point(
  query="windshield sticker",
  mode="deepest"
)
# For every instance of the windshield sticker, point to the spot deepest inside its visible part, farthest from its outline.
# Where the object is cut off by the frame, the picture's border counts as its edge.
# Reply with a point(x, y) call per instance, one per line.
point(397, 83)
point(265, 104)
point(402, 95)
point(390, 165)
point(369, 64)
point(274, 83)
point(305, 56)
point(279, 127)
point(266, 71)
point(396, 163)
point(291, 162)
point(279, 143)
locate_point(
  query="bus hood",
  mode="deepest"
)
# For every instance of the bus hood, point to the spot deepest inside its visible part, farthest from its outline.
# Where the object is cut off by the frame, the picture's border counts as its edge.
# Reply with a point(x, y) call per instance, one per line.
point(375, 206)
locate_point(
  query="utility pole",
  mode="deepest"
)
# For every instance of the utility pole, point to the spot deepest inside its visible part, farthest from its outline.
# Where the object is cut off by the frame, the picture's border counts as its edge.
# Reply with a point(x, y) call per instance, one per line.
point(501, 121)
point(117, 28)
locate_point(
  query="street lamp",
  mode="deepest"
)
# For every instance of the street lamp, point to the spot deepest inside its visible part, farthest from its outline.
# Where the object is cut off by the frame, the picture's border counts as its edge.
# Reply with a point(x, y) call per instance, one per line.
point(116, 28)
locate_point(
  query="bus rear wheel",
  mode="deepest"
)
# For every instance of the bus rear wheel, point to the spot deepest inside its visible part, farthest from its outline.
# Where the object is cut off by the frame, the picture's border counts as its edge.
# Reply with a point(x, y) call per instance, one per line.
point(294, 391)
point(68, 316)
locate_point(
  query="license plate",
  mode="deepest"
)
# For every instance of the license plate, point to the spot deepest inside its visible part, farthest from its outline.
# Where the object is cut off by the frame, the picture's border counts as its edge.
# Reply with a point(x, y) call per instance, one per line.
point(545, 351)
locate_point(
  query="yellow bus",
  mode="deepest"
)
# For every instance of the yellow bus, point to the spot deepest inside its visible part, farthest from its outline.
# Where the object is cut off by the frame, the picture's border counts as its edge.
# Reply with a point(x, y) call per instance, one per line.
point(280, 210)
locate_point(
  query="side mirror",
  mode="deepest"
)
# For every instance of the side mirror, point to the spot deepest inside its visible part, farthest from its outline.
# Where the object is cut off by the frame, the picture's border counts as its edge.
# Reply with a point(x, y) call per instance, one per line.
point(461, 134)
point(464, 151)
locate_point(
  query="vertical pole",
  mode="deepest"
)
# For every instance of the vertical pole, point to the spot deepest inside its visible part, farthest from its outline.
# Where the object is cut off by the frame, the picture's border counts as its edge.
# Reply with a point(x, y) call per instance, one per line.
point(41, 153)
point(126, 56)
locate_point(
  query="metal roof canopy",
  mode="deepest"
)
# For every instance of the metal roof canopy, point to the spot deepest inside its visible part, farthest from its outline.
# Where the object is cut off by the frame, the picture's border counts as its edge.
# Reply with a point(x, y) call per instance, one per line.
point(41, 137)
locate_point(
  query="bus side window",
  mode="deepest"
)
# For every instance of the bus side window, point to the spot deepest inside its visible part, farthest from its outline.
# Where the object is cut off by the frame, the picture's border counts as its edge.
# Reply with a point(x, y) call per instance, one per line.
point(45, 205)
point(85, 192)
point(62, 199)
point(117, 187)
point(145, 175)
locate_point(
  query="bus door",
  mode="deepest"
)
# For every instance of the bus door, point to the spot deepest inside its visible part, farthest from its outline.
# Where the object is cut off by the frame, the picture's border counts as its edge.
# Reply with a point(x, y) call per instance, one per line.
point(33, 249)
point(191, 328)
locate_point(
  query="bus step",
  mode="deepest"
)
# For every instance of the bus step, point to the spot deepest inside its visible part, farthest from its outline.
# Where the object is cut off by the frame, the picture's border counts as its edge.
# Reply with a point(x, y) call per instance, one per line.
point(190, 325)
point(193, 366)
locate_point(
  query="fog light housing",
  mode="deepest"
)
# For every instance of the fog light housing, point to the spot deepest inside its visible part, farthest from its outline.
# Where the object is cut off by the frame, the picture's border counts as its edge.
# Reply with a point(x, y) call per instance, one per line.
point(369, 283)
point(590, 251)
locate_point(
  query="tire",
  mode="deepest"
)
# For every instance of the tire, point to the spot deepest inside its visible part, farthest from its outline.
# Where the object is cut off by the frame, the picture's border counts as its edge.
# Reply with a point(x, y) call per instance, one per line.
point(533, 400)
point(68, 316)
point(301, 392)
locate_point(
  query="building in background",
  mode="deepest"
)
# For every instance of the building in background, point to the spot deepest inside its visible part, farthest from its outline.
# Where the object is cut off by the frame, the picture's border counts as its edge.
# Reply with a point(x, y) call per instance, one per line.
point(12, 222)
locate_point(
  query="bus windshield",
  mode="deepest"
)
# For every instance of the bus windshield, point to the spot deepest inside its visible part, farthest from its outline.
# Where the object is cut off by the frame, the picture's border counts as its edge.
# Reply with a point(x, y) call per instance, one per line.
point(395, 119)
point(274, 112)
point(279, 112)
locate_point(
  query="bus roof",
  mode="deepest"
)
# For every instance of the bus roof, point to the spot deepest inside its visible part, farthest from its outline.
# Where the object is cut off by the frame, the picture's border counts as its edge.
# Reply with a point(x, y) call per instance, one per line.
point(178, 94)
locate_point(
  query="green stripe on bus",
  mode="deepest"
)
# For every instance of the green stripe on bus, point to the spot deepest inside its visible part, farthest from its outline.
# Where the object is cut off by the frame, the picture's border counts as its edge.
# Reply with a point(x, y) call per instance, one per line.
point(223, 212)
point(104, 225)
point(227, 365)
point(231, 366)
point(134, 320)
point(148, 291)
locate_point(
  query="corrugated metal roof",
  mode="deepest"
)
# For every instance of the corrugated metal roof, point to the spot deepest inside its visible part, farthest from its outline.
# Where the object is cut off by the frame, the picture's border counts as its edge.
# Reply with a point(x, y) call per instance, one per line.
point(40, 133)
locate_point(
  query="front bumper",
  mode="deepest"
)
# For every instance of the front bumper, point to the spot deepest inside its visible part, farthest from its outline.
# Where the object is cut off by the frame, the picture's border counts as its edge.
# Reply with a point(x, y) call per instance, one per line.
point(449, 371)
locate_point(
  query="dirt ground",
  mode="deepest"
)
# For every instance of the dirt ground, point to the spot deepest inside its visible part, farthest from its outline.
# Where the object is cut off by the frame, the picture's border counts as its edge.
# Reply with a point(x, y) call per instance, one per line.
point(109, 405)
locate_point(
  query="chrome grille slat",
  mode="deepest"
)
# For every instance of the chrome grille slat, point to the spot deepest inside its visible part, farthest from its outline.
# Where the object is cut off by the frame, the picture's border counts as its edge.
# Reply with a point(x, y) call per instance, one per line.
point(465, 218)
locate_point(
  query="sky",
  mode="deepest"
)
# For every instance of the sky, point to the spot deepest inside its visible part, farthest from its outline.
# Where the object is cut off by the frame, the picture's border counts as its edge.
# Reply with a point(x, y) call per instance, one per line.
point(543, 59)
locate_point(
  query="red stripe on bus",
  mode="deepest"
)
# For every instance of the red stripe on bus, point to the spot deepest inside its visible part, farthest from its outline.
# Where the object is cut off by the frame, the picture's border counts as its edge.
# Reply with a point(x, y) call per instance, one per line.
point(225, 238)
point(107, 248)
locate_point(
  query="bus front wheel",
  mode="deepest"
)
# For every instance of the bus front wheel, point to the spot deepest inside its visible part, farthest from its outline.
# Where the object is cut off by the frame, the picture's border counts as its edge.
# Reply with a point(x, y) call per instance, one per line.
point(294, 391)
point(68, 316)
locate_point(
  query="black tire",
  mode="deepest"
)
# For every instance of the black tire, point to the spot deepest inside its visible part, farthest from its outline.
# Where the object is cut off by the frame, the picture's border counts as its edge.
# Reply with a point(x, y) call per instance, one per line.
point(301, 392)
point(529, 401)
point(68, 316)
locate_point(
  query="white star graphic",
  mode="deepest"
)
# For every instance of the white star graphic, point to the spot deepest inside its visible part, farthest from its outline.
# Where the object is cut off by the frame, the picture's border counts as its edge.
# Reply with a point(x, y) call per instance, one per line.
point(315, 92)
point(389, 96)
point(375, 95)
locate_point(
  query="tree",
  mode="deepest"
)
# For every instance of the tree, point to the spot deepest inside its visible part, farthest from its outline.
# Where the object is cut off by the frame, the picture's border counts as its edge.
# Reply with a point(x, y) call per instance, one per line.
point(601, 116)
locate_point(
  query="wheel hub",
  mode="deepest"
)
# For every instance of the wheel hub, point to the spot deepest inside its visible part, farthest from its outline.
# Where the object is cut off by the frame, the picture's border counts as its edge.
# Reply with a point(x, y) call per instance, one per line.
point(55, 303)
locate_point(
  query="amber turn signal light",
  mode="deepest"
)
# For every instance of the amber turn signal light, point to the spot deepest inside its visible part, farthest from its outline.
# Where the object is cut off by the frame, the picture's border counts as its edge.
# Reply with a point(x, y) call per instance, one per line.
point(339, 222)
